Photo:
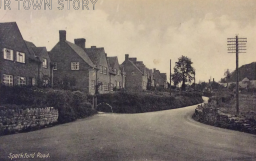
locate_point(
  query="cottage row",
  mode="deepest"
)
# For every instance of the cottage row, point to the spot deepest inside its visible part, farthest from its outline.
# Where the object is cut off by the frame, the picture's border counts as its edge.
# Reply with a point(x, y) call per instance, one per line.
point(71, 65)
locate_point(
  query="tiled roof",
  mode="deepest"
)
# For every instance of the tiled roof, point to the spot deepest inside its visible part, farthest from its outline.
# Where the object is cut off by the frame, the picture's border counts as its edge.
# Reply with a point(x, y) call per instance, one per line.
point(135, 66)
point(30, 45)
point(94, 54)
point(5, 28)
point(111, 61)
point(81, 52)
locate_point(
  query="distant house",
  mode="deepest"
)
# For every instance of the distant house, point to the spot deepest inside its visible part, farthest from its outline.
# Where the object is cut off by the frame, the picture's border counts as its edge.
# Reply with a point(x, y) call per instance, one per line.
point(117, 75)
point(160, 79)
point(18, 65)
point(72, 65)
point(45, 73)
point(99, 58)
point(136, 76)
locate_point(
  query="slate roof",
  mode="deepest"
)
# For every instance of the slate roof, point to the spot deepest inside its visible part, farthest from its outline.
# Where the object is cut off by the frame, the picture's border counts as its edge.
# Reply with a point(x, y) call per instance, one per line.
point(112, 61)
point(11, 29)
point(82, 53)
point(5, 28)
point(30, 45)
point(94, 54)
point(163, 76)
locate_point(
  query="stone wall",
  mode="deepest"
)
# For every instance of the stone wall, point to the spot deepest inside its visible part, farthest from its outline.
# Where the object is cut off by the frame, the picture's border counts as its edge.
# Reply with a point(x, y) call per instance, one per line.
point(209, 114)
point(21, 120)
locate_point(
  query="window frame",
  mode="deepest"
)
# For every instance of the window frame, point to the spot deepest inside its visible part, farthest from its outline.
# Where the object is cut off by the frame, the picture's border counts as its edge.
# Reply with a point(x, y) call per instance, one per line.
point(10, 81)
point(105, 86)
point(76, 65)
point(45, 63)
point(92, 84)
point(20, 82)
point(5, 54)
point(55, 66)
point(23, 57)
point(105, 70)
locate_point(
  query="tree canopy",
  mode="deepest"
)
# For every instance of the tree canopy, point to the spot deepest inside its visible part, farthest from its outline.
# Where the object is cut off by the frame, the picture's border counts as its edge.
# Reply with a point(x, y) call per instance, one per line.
point(183, 71)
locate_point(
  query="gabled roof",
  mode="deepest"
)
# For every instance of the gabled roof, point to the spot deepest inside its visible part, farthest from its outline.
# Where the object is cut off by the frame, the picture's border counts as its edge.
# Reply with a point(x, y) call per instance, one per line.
point(95, 54)
point(81, 52)
point(163, 76)
point(30, 45)
point(112, 61)
point(5, 28)
point(10, 33)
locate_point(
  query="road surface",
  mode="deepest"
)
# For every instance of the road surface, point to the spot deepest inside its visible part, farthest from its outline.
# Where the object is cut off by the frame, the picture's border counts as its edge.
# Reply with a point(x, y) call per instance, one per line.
point(165, 135)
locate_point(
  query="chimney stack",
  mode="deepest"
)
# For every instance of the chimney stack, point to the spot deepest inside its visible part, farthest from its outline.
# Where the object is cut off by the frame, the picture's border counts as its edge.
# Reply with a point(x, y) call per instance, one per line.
point(62, 35)
point(126, 57)
point(93, 47)
point(213, 79)
point(80, 42)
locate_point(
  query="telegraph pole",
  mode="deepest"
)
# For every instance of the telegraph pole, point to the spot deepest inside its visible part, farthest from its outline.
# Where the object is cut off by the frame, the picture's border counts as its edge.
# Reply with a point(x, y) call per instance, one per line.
point(170, 76)
point(237, 45)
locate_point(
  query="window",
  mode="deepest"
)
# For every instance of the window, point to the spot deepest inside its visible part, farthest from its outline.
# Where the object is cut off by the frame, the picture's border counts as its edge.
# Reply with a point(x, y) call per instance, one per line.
point(105, 70)
point(20, 57)
point(111, 86)
point(93, 84)
point(74, 65)
point(8, 54)
point(8, 80)
point(21, 81)
point(115, 71)
point(33, 81)
point(101, 69)
point(105, 87)
point(45, 65)
point(119, 72)
point(55, 67)
point(101, 86)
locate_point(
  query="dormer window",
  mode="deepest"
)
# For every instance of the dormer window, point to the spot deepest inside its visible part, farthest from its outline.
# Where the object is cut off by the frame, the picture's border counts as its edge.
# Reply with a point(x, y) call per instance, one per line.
point(45, 64)
point(8, 54)
point(20, 57)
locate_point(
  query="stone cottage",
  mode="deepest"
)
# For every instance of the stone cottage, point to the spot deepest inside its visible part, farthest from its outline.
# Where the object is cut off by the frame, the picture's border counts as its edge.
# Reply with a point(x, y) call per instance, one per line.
point(117, 74)
point(73, 67)
point(136, 76)
point(18, 65)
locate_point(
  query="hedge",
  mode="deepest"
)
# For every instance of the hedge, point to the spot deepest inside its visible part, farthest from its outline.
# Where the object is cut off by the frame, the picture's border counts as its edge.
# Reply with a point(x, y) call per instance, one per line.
point(138, 103)
point(71, 105)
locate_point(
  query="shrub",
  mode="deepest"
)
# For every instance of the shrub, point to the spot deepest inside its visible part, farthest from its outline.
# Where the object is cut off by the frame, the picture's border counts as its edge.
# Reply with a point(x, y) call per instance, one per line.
point(62, 100)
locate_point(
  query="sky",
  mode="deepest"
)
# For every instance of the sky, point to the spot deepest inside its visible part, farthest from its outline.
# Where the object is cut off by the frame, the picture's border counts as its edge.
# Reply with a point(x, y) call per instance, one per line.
point(153, 31)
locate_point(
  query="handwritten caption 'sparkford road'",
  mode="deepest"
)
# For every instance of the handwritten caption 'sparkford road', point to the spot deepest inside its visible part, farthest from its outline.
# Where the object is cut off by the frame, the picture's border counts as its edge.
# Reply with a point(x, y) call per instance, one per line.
point(47, 4)
point(29, 156)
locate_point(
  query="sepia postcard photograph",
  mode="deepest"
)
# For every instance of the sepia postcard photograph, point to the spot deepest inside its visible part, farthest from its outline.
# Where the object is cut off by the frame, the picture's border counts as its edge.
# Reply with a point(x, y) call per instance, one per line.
point(127, 80)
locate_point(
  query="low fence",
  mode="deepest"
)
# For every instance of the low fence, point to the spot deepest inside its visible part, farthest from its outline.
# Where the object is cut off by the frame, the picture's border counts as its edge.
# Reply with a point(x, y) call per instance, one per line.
point(16, 120)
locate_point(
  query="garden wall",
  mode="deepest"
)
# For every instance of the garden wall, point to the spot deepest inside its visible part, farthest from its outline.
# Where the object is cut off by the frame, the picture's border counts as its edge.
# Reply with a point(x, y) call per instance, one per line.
point(209, 114)
point(16, 120)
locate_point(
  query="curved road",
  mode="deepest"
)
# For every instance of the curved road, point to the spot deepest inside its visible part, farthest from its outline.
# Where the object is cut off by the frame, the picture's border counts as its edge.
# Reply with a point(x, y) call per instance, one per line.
point(166, 135)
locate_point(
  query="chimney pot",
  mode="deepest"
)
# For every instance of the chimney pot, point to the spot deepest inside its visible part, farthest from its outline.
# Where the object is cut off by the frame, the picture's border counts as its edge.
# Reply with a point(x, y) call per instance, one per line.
point(126, 57)
point(80, 42)
point(62, 34)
